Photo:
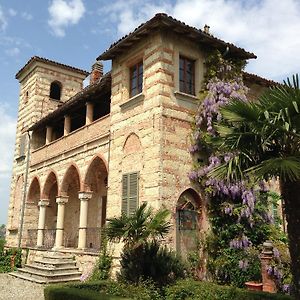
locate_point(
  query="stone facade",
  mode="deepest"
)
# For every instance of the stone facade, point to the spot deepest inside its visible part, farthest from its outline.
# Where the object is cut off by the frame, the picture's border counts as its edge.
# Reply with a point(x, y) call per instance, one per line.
point(75, 173)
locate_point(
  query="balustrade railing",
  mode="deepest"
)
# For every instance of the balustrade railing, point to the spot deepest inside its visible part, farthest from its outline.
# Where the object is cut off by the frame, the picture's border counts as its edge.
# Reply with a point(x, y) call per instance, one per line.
point(31, 238)
point(93, 238)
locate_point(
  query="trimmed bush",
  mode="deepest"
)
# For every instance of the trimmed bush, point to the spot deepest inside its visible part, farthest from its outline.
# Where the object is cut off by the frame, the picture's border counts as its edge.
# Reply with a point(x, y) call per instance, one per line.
point(143, 291)
point(190, 289)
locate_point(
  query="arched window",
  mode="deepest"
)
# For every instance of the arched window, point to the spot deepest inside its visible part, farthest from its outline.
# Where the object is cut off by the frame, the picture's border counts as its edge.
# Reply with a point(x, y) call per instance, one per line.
point(55, 90)
point(188, 215)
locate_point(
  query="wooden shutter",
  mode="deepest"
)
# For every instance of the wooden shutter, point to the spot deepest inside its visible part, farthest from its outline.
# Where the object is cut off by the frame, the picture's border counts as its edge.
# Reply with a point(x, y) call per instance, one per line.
point(124, 194)
point(133, 193)
point(22, 145)
point(130, 193)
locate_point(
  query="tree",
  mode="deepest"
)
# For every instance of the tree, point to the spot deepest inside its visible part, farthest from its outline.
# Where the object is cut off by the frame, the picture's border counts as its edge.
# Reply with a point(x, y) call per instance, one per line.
point(142, 226)
point(264, 137)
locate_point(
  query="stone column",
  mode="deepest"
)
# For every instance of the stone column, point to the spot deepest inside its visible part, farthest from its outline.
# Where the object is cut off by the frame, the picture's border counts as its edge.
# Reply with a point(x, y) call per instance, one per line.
point(49, 131)
point(266, 256)
point(43, 203)
point(61, 201)
point(67, 125)
point(89, 113)
point(84, 197)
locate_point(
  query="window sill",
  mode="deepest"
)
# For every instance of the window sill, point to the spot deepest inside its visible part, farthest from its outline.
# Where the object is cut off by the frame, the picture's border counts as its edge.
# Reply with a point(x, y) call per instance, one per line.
point(133, 102)
point(186, 100)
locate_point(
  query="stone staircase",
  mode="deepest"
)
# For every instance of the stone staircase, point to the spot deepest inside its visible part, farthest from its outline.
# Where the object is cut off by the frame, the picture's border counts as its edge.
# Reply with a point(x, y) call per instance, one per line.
point(51, 268)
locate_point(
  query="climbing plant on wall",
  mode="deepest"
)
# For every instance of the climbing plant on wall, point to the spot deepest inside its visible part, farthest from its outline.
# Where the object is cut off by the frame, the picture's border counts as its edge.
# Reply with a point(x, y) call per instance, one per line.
point(239, 211)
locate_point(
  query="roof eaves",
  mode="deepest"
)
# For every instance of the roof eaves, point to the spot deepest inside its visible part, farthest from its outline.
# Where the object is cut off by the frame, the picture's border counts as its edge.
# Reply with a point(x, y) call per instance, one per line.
point(51, 62)
point(163, 19)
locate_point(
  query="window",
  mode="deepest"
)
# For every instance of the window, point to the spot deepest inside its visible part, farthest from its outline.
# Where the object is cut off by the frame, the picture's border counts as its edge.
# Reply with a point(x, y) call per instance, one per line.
point(186, 75)
point(22, 145)
point(136, 79)
point(130, 193)
point(55, 90)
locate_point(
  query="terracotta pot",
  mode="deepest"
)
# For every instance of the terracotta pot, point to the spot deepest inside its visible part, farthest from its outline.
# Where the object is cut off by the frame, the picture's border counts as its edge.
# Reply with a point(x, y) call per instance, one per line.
point(254, 286)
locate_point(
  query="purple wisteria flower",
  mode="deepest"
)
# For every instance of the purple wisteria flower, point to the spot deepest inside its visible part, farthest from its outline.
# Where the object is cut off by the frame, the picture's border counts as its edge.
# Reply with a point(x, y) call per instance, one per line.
point(243, 264)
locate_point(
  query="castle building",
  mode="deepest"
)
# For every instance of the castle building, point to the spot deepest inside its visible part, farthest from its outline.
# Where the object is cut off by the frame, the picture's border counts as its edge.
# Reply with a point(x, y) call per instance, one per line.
point(83, 155)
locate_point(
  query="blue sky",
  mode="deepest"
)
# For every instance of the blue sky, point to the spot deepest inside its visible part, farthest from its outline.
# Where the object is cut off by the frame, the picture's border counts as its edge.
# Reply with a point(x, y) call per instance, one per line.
point(75, 32)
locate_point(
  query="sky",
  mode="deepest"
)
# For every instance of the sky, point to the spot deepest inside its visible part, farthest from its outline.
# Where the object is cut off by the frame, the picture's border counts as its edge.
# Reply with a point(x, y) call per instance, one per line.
point(75, 32)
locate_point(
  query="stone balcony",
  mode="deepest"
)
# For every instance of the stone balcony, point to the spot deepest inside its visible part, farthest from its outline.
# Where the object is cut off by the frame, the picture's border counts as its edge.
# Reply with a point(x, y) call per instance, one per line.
point(72, 142)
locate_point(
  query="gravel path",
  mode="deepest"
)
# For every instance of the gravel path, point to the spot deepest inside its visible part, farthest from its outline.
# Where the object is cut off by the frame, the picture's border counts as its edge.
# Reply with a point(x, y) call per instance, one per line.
point(12, 288)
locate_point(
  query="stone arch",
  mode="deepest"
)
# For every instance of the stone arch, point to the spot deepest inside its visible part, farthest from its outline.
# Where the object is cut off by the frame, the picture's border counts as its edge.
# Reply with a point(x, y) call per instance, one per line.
point(71, 177)
point(55, 90)
point(16, 209)
point(34, 192)
point(50, 181)
point(70, 187)
point(50, 192)
point(95, 181)
point(188, 221)
point(31, 210)
point(132, 144)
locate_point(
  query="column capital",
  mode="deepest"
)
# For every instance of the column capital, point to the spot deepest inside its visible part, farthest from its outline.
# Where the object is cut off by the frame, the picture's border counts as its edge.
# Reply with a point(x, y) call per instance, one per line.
point(62, 199)
point(85, 195)
point(43, 202)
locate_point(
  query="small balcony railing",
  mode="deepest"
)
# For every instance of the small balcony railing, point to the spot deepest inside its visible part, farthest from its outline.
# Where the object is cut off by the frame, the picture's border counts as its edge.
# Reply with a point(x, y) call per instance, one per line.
point(93, 239)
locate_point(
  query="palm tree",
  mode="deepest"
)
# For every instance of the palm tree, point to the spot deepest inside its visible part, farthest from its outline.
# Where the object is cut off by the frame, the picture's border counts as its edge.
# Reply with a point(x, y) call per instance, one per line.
point(264, 136)
point(144, 225)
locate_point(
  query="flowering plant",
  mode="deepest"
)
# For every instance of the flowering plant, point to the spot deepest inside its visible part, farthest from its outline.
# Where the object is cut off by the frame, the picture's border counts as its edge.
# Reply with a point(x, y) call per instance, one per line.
point(239, 210)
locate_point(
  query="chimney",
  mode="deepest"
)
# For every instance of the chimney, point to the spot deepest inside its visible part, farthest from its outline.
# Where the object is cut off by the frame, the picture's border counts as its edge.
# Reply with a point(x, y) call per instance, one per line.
point(97, 72)
point(206, 29)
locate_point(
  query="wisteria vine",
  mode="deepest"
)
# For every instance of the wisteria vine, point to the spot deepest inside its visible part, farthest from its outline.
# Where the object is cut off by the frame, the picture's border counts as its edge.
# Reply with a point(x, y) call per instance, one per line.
point(243, 202)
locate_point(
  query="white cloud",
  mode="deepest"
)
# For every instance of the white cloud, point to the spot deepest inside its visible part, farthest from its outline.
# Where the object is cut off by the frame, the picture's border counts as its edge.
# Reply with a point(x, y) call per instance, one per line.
point(13, 51)
point(269, 28)
point(7, 142)
point(3, 22)
point(63, 14)
point(26, 16)
point(12, 12)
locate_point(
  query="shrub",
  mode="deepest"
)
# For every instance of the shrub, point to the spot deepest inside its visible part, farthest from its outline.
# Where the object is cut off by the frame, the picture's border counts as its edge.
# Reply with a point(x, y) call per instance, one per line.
point(143, 291)
point(149, 261)
point(5, 258)
point(103, 266)
point(190, 289)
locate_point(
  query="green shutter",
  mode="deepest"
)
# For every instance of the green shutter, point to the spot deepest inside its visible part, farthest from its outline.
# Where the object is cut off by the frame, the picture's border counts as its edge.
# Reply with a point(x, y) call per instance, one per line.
point(133, 193)
point(129, 193)
point(124, 194)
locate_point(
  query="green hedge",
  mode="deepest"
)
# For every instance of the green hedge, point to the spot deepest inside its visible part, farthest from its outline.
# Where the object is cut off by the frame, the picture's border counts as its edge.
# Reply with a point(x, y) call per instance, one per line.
point(190, 289)
point(72, 293)
point(144, 291)
point(182, 290)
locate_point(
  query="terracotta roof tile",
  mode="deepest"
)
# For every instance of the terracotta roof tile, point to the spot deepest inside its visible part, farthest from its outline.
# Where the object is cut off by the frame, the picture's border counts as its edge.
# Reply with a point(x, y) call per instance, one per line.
point(164, 21)
point(51, 62)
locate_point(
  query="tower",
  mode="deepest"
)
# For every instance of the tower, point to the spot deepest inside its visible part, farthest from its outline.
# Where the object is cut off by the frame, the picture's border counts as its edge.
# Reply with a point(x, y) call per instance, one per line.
point(44, 85)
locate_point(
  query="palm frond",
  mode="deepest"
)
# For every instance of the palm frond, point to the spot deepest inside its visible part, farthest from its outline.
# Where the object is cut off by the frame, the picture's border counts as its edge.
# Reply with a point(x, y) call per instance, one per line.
point(287, 168)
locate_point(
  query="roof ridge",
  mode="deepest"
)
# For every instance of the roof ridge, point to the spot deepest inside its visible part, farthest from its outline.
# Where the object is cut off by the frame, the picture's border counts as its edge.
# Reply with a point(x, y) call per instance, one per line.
point(46, 60)
point(164, 17)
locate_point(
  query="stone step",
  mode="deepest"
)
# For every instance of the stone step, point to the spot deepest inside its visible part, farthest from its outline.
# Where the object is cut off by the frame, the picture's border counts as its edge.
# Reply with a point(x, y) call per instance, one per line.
point(54, 263)
point(41, 281)
point(64, 276)
point(49, 269)
point(54, 256)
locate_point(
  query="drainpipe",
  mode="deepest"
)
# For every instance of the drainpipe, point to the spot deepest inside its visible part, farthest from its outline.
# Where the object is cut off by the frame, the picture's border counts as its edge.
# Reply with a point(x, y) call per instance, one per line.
point(24, 190)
